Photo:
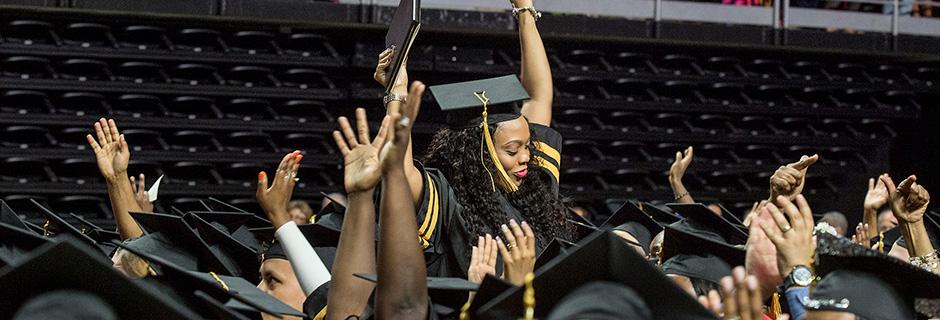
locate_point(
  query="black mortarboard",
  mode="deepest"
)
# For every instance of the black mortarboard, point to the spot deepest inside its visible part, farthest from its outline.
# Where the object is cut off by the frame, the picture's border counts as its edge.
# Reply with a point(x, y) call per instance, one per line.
point(234, 224)
point(629, 218)
point(443, 292)
point(554, 249)
point(15, 243)
point(888, 239)
point(661, 215)
point(255, 221)
point(170, 238)
point(218, 308)
point(72, 266)
point(620, 302)
point(94, 231)
point(241, 259)
point(463, 105)
point(319, 234)
point(697, 256)
point(601, 257)
point(238, 293)
point(64, 227)
point(700, 219)
point(8, 216)
point(868, 283)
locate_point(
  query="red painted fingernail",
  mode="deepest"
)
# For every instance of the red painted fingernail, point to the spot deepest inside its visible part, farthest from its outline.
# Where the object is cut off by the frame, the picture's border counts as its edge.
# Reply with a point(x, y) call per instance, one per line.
point(300, 157)
point(261, 175)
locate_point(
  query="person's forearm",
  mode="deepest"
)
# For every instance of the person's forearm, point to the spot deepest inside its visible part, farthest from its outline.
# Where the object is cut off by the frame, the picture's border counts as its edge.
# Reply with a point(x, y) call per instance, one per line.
point(348, 294)
point(918, 244)
point(412, 174)
point(870, 217)
point(402, 287)
point(122, 202)
point(536, 72)
point(679, 192)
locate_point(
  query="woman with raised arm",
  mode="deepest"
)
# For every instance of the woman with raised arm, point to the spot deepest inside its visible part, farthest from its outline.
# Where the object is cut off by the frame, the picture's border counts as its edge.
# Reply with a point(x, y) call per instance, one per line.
point(497, 161)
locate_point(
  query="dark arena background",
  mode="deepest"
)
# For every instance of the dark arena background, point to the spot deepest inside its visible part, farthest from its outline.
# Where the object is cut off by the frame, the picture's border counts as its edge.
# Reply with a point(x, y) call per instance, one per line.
point(209, 92)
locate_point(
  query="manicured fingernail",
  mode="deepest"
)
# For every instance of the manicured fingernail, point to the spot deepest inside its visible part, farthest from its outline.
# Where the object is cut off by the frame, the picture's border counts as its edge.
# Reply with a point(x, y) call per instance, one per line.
point(300, 157)
point(751, 282)
point(498, 239)
point(524, 223)
point(504, 227)
point(512, 222)
point(260, 175)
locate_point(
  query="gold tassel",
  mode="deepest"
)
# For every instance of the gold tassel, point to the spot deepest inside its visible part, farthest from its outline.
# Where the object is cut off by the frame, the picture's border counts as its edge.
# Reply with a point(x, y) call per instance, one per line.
point(219, 280)
point(775, 308)
point(528, 298)
point(488, 142)
point(45, 229)
point(464, 311)
point(881, 242)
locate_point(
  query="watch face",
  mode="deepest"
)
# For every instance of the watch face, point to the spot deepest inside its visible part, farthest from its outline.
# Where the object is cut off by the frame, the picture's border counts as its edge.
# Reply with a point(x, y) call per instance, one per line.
point(802, 276)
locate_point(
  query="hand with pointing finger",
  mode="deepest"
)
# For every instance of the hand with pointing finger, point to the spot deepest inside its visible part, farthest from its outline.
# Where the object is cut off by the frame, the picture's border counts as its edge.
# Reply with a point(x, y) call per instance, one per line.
point(908, 200)
point(788, 180)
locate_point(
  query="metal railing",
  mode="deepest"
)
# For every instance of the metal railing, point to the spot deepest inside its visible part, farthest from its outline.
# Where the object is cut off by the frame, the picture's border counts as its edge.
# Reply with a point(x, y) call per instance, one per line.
point(780, 15)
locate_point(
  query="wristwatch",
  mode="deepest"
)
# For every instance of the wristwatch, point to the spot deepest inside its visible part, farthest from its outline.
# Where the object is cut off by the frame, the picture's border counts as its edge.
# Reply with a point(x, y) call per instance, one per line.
point(800, 276)
point(393, 97)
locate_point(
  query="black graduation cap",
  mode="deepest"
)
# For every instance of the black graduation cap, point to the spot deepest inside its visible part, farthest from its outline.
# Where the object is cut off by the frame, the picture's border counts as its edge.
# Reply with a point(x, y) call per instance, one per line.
point(64, 227)
point(15, 243)
point(72, 266)
point(868, 283)
point(444, 292)
point(631, 219)
point(319, 234)
point(170, 238)
point(234, 224)
point(601, 257)
point(697, 256)
point(94, 231)
point(241, 259)
point(699, 218)
point(255, 221)
point(238, 293)
point(8, 216)
point(218, 308)
point(888, 239)
point(554, 249)
point(463, 105)
point(661, 215)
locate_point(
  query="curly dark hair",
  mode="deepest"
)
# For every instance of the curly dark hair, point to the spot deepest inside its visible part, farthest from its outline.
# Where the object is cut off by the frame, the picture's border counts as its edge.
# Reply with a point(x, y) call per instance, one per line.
point(456, 153)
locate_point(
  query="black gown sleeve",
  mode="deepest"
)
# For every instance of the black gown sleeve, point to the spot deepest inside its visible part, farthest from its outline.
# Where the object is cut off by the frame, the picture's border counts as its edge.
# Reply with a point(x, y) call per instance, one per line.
point(547, 155)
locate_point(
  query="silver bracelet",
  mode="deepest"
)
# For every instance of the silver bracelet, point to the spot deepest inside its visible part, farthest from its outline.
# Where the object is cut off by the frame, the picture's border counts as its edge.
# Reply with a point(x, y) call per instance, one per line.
point(535, 14)
point(928, 262)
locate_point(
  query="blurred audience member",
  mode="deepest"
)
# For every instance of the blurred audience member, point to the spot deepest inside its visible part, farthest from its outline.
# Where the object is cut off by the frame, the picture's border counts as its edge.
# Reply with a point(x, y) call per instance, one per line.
point(300, 211)
point(837, 220)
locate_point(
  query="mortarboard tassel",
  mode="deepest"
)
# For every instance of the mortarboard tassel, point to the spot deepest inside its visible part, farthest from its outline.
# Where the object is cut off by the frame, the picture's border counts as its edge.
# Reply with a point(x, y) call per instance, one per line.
point(528, 297)
point(881, 242)
point(488, 142)
point(775, 308)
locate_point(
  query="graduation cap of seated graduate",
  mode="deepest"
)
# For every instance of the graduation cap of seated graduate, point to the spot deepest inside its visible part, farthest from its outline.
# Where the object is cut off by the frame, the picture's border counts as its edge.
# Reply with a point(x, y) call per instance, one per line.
point(701, 219)
point(234, 224)
point(483, 103)
point(601, 257)
point(241, 259)
point(67, 277)
point(554, 249)
point(631, 219)
point(697, 256)
point(660, 214)
point(323, 233)
point(94, 231)
point(16, 243)
point(884, 241)
point(868, 283)
point(64, 227)
point(8, 216)
point(238, 293)
point(443, 291)
point(170, 238)
point(255, 221)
